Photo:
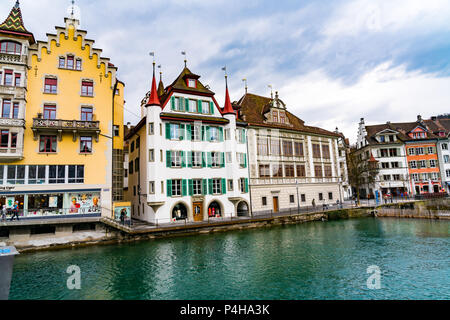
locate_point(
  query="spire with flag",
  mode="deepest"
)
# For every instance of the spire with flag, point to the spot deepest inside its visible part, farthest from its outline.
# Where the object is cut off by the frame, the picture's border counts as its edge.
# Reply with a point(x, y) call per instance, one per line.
point(161, 84)
point(153, 99)
point(13, 24)
point(227, 108)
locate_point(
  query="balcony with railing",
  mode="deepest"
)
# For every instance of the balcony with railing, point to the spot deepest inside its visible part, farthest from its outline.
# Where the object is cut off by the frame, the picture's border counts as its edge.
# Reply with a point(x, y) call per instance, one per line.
point(12, 122)
point(13, 91)
point(13, 58)
point(285, 180)
point(10, 154)
point(59, 126)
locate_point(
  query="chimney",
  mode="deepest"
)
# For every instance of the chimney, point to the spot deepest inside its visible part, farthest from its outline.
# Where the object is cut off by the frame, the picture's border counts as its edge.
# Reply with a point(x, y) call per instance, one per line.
point(419, 118)
point(362, 121)
point(434, 118)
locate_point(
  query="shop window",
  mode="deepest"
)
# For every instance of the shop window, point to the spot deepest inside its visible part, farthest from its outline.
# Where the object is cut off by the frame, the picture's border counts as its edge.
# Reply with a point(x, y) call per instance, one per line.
point(87, 88)
point(49, 112)
point(47, 144)
point(51, 85)
point(36, 174)
point(56, 174)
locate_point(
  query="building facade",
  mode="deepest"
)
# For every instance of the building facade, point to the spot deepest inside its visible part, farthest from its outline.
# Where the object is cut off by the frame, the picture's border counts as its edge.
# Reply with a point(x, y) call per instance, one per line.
point(343, 151)
point(407, 154)
point(291, 165)
point(72, 159)
point(187, 156)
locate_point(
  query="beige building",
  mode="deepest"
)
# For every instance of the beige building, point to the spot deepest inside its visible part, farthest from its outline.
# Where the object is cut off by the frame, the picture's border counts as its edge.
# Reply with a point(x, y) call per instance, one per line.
point(291, 164)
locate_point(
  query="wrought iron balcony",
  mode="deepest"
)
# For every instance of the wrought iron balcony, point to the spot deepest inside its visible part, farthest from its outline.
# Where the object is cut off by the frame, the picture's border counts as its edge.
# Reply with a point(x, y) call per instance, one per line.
point(10, 154)
point(59, 126)
point(10, 122)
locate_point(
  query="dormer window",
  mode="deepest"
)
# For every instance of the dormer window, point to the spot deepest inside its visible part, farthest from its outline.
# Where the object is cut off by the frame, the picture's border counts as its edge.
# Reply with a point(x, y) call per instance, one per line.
point(274, 116)
point(282, 117)
point(192, 83)
point(10, 47)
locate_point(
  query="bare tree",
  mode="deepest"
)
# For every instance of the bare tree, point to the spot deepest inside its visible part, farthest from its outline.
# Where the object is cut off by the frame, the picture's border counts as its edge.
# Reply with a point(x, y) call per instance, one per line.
point(362, 170)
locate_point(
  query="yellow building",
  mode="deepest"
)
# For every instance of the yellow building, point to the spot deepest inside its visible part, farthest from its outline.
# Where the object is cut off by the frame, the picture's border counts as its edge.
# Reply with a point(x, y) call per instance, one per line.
point(72, 161)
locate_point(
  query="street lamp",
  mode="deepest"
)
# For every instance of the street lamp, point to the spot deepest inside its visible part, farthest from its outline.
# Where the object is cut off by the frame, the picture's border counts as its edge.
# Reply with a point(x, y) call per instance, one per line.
point(298, 199)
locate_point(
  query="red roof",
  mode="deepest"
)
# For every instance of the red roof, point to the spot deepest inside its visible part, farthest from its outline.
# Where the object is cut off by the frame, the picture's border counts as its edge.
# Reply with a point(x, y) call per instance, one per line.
point(153, 100)
point(227, 109)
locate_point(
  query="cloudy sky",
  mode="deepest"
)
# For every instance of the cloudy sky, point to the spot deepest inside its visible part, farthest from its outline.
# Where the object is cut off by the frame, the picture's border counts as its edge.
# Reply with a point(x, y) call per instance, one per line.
point(332, 62)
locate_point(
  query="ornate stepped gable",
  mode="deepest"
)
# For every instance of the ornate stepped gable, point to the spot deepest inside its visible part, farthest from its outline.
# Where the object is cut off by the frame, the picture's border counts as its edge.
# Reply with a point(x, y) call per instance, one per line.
point(14, 23)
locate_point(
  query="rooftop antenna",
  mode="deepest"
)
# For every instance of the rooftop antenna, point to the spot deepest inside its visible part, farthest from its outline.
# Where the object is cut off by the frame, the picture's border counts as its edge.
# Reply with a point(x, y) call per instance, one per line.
point(271, 91)
point(245, 81)
point(185, 58)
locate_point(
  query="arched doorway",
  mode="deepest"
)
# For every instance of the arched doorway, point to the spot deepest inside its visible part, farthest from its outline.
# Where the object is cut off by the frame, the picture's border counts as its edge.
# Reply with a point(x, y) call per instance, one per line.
point(242, 209)
point(214, 210)
point(179, 212)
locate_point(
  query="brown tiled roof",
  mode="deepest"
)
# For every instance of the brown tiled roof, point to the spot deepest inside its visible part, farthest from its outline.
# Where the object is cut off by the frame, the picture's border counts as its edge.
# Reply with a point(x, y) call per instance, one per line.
point(180, 83)
point(253, 108)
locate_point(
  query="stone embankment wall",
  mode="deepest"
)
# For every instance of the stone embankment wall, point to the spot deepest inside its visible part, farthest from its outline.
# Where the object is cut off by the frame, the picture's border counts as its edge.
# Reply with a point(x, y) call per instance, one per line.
point(430, 209)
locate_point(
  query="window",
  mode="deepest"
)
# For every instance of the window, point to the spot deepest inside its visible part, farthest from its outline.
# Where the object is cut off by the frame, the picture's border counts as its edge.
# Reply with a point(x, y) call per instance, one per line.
point(78, 66)
point(47, 144)
point(8, 78)
point(318, 171)
point(206, 107)
point(229, 157)
point(177, 104)
point(243, 185)
point(411, 151)
point(326, 151)
point(50, 85)
point(136, 165)
point(395, 165)
point(13, 139)
point(444, 146)
point(264, 171)
point(151, 155)
point(215, 159)
point(130, 167)
point(56, 174)
point(289, 170)
point(76, 174)
point(175, 157)
point(242, 159)
point(447, 172)
point(328, 172)
point(197, 187)
point(138, 142)
point(275, 148)
point(116, 130)
point(392, 152)
point(446, 158)
point(386, 177)
point(264, 201)
point(303, 197)
point(176, 131)
point(132, 146)
point(15, 114)
point(330, 195)
point(196, 159)
point(413, 164)
point(263, 148)
point(10, 47)
point(86, 114)
point(316, 151)
point(396, 177)
point(213, 134)
point(4, 140)
point(227, 134)
point(291, 198)
point(422, 164)
point(385, 165)
point(287, 148)
point(298, 148)
point(301, 172)
point(320, 196)
point(415, 177)
point(62, 62)
point(217, 186)
point(36, 174)
point(192, 105)
point(240, 136)
point(196, 133)
point(151, 187)
point(282, 117)
point(433, 163)
point(151, 129)
point(275, 116)
point(70, 62)
point(17, 79)
point(85, 144)
point(277, 171)
point(230, 185)
point(15, 175)
point(419, 151)
point(192, 83)
point(87, 88)
point(49, 112)
point(6, 108)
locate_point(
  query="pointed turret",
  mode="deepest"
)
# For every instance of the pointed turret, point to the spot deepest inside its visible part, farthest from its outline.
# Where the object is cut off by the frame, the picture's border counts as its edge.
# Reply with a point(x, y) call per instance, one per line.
point(13, 24)
point(160, 86)
point(153, 99)
point(227, 108)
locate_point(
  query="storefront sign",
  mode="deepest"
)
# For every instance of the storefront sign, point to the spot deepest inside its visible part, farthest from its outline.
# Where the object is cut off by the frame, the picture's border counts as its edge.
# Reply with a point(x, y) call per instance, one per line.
point(8, 188)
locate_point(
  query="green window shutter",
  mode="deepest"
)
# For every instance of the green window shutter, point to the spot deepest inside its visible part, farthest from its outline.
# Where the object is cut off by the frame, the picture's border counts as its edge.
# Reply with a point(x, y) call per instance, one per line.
point(183, 160)
point(210, 183)
point(189, 155)
point(208, 136)
point(169, 188)
point(205, 187)
point(211, 107)
point(189, 132)
point(186, 104)
point(182, 131)
point(245, 160)
point(244, 136)
point(168, 131)
point(209, 160)
point(224, 186)
point(246, 185)
point(168, 159)
point(184, 187)
point(221, 134)
point(203, 160)
point(222, 164)
point(191, 187)
point(173, 103)
point(199, 103)
point(203, 133)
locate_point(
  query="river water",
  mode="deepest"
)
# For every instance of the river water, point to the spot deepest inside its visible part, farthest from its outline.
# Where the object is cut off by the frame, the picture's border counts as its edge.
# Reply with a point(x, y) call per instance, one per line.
point(320, 260)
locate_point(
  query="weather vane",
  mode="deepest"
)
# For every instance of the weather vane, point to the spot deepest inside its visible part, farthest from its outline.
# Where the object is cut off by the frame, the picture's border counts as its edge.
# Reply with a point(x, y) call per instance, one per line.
point(271, 90)
point(245, 81)
point(185, 58)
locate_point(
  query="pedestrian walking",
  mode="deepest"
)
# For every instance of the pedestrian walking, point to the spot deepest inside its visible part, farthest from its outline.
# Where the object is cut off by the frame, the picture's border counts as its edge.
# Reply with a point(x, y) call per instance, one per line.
point(314, 203)
point(3, 212)
point(15, 211)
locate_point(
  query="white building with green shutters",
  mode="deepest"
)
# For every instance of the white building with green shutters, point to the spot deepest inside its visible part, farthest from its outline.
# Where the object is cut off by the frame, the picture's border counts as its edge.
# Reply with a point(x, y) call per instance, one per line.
point(188, 156)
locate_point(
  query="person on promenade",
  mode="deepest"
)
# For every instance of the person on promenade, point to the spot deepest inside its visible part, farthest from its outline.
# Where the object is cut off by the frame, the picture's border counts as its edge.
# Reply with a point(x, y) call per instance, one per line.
point(3, 212)
point(314, 203)
point(15, 211)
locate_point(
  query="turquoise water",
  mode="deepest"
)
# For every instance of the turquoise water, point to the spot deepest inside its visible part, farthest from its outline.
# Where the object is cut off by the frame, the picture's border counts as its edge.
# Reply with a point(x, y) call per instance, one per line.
point(321, 260)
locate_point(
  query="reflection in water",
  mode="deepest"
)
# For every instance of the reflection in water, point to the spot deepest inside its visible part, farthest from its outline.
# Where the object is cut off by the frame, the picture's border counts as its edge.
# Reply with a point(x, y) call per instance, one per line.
point(307, 261)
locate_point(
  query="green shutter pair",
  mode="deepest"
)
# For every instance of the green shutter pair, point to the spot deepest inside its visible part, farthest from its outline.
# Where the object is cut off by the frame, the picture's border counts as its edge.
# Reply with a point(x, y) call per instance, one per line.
point(168, 159)
point(203, 133)
point(208, 134)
